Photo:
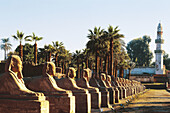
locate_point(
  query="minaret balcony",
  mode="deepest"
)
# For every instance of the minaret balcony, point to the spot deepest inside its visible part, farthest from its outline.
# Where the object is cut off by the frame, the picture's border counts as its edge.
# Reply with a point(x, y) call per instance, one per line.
point(159, 41)
point(159, 51)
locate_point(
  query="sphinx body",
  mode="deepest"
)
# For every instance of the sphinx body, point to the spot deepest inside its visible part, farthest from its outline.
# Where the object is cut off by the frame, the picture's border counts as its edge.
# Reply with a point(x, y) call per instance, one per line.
point(12, 87)
point(55, 95)
point(95, 94)
point(83, 98)
point(104, 91)
point(103, 82)
point(110, 84)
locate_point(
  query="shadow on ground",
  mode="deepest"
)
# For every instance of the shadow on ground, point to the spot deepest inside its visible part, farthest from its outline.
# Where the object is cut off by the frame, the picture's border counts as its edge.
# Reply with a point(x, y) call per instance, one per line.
point(145, 109)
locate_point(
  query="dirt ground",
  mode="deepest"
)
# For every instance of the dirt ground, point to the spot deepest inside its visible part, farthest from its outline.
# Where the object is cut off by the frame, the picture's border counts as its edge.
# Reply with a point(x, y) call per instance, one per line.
point(153, 101)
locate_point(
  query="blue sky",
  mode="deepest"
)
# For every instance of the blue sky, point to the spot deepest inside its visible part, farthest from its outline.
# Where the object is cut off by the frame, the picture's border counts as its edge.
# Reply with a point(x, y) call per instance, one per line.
point(68, 21)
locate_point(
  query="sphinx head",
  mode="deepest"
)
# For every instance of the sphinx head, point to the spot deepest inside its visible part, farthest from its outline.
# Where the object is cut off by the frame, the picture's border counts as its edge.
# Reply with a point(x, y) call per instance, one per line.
point(108, 78)
point(71, 72)
point(49, 68)
point(103, 76)
point(14, 64)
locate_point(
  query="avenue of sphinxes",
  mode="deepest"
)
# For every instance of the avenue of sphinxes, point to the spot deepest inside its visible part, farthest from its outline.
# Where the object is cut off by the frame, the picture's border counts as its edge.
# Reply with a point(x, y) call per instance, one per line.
point(49, 92)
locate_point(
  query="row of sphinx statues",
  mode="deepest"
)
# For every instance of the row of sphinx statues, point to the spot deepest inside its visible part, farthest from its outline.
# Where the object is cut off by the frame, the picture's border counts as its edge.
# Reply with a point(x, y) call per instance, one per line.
point(48, 94)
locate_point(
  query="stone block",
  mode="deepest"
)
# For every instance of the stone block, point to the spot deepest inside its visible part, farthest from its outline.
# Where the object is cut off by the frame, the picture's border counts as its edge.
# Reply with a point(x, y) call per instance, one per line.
point(23, 106)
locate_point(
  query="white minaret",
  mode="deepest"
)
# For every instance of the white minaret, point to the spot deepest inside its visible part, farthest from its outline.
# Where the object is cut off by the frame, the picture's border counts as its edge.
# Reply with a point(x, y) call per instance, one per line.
point(159, 52)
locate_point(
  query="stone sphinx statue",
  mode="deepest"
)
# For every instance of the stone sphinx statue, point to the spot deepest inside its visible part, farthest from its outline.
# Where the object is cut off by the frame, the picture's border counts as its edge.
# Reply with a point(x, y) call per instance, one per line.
point(83, 98)
point(120, 85)
point(12, 80)
point(103, 82)
point(104, 91)
point(110, 84)
point(12, 87)
point(47, 84)
point(95, 94)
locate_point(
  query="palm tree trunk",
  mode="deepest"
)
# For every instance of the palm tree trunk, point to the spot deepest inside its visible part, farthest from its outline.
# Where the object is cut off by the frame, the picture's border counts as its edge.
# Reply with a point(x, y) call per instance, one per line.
point(114, 68)
point(116, 71)
point(82, 67)
point(63, 67)
point(101, 64)
point(87, 63)
point(106, 64)
point(78, 69)
point(21, 51)
point(56, 59)
point(97, 63)
point(111, 57)
point(4, 54)
point(129, 72)
point(49, 56)
point(121, 72)
point(35, 53)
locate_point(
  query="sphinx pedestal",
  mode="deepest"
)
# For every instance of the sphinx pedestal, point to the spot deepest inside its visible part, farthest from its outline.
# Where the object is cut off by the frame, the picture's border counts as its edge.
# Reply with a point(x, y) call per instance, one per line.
point(95, 94)
point(104, 92)
point(23, 104)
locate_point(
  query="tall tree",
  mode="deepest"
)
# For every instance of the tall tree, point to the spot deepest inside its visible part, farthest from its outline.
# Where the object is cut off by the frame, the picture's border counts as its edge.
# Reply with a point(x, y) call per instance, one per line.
point(139, 52)
point(57, 50)
point(111, 35)
point(50, 50)
point(19, 36)
point(94, 45)
point(34, 38)
point(166, 60)
point(28, 54)
point(77, 58)
point(5, 46)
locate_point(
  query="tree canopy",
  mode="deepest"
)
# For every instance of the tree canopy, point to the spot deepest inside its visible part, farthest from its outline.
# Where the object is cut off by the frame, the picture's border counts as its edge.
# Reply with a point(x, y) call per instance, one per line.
point(139, 52)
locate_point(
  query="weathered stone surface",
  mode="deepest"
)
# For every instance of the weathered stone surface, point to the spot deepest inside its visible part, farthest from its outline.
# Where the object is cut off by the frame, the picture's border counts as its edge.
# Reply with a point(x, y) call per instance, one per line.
point(14, 96)
point(110, 85)
point(119, 84)
point(60, 100)
point(95, 94)
point(104, 92)
point(102, 83)
point(23, 106)
point(83, 98)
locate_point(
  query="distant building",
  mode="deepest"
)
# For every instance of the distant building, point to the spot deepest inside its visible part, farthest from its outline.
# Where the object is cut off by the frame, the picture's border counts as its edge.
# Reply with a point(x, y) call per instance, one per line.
point(159, 68)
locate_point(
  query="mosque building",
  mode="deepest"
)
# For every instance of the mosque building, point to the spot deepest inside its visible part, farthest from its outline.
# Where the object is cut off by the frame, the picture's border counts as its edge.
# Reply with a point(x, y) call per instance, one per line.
point(159, 68)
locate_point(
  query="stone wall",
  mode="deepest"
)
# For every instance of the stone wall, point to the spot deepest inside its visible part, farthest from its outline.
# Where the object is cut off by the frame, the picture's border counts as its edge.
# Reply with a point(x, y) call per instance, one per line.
point(2, 68)
point(143, 70)
point(142, 78)
point(28, 70)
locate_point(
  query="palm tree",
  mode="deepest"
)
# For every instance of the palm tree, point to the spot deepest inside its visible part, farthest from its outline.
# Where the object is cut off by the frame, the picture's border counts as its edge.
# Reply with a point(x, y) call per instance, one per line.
point(35, 38)
point(20, 37)
point(111, 35)
point(57, 46)
point(94, 45)
point(5, 46)
point(77, 59)
point(50, 50)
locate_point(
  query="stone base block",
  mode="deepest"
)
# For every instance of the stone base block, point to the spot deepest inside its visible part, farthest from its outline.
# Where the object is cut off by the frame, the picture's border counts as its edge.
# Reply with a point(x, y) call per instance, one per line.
point(111, 95)
point(23, 106)
point(61, 104)
point(105, 99)
point(83, 102)
point(116, 96)
point(96, 100)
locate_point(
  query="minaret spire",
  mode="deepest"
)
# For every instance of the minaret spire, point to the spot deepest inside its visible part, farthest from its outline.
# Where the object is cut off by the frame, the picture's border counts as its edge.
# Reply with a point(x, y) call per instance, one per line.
point(159, 52)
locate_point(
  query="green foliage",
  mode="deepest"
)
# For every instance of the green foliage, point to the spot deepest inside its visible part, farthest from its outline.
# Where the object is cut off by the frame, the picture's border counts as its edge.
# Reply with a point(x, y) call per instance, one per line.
point(19, 36)
point(139, 52)
point(5, 46)
point(28, 54)
point(166, 61)
point(33, 37)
